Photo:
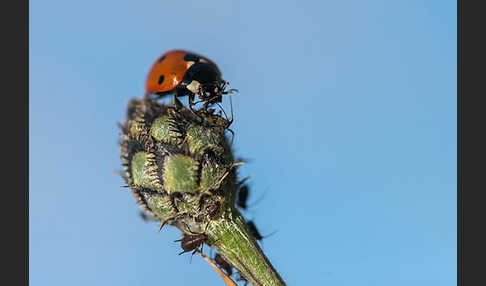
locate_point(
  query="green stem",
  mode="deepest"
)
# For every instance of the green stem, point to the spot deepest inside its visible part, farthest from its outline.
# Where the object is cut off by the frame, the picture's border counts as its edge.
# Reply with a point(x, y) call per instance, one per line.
point(232, 239)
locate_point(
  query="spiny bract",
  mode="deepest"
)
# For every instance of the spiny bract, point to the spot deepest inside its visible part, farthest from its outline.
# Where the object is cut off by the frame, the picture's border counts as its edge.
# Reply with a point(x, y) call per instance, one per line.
point(179, 166)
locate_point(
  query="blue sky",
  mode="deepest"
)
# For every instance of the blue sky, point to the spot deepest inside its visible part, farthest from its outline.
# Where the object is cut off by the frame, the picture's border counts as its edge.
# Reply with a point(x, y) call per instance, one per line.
point(346, 112)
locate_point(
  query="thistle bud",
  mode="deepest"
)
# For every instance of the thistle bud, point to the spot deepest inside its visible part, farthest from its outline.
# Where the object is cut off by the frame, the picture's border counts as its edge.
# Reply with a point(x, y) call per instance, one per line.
point(180, 168)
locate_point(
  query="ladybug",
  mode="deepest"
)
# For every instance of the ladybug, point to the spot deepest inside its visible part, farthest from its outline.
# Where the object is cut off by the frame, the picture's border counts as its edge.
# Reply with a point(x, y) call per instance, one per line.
point(183, 73)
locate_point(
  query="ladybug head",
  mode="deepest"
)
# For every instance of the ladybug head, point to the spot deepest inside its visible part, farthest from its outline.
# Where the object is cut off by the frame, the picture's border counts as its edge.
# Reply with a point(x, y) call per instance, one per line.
point(204, 80)
point(211, 92)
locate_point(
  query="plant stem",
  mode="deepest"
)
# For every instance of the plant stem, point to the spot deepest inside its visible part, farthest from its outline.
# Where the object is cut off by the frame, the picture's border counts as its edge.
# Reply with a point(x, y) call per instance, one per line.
point(231, 238)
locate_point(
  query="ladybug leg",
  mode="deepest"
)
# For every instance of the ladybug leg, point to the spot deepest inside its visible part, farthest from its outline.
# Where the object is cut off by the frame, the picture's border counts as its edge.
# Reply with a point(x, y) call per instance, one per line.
point(177, 103)
point(191, 101)
point(191, 107)
point(206, 105)
point(224, 86)
point(192, 104)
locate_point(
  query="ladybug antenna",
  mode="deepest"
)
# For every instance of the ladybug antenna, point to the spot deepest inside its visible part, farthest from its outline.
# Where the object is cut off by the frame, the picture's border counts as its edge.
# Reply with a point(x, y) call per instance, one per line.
point(231, 91)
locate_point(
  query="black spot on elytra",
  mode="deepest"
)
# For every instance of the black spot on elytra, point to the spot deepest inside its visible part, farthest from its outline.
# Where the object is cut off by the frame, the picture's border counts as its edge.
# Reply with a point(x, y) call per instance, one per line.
point(192, 58)
point(161, 79)
point(161, 59)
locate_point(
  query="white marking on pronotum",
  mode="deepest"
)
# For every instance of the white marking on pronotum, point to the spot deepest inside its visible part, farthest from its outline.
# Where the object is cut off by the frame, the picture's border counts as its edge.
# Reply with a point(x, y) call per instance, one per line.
point(193, 86)
point(189, 64)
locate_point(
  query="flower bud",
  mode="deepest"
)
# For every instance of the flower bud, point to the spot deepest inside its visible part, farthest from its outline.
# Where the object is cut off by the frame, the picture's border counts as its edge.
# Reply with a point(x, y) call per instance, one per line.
point(178, 166)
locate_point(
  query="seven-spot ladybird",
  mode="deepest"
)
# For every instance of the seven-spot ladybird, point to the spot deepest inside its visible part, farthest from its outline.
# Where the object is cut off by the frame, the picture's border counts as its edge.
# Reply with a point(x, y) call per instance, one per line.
point(183, 73)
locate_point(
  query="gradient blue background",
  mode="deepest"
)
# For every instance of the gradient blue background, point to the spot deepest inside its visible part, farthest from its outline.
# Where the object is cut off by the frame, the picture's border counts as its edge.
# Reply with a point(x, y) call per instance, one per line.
point(346, 110)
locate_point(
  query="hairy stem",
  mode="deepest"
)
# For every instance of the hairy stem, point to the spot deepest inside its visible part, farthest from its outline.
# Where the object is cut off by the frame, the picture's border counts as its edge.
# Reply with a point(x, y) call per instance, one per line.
point(232, 239)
